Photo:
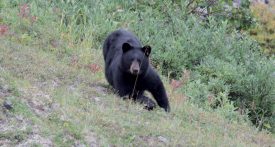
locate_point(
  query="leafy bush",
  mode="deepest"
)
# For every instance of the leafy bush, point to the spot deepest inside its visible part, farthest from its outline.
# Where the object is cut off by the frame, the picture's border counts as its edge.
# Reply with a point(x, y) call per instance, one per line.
point(229, 65)
point(237, 13)
point(264, 31)
point(250, 82)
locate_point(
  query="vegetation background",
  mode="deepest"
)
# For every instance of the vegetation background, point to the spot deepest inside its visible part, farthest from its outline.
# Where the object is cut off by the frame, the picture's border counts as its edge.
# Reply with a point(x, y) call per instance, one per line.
point(215, 57)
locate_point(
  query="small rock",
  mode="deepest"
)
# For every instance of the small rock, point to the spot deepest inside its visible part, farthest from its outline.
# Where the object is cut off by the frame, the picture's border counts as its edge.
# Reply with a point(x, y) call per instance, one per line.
point(78, 144)
point(163, 139)
point(8, 104)
point(97, 99)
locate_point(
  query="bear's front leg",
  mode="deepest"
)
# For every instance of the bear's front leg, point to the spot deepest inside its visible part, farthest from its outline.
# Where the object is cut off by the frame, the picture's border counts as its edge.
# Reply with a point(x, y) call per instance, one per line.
point(149, 104)
point(155, 86)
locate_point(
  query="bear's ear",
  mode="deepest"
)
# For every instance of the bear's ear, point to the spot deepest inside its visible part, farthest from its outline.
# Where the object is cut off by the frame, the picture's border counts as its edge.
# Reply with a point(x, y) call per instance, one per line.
point(126, 47)
point(147, 50)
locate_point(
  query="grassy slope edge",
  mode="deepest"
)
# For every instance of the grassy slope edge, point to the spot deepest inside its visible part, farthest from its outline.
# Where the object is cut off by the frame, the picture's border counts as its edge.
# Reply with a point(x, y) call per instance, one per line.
point(55, 103)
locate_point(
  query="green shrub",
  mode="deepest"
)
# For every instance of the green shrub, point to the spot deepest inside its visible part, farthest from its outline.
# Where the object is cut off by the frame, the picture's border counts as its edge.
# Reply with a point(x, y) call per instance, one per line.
point(229, 64)
point(264, 31)
point(251, 85)
point(238, 14)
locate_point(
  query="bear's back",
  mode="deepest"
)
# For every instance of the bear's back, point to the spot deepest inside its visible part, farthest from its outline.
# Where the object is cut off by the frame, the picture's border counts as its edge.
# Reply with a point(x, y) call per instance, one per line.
point(112, 50)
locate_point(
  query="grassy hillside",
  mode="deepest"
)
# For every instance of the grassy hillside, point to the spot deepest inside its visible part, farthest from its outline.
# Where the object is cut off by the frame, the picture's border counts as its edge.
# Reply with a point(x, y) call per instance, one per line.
point(51, 75)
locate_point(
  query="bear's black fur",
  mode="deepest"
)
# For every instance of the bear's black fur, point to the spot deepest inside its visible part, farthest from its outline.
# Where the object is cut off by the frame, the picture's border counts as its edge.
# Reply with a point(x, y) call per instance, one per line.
point(128, 71)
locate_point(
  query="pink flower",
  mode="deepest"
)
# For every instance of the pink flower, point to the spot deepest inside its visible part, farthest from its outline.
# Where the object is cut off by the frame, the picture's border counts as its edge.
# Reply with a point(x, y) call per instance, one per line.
point(24, 11)
point(34, 19)
point(3, 30)
point(175, 84)
point(94, 68)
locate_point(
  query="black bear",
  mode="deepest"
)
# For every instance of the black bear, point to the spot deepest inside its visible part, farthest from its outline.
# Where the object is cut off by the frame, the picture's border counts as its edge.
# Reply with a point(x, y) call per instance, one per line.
point(128, 71)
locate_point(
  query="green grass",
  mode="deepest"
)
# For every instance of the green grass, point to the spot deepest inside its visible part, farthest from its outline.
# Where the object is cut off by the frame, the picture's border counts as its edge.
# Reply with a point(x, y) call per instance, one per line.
point(59, 100)
point(68, 106)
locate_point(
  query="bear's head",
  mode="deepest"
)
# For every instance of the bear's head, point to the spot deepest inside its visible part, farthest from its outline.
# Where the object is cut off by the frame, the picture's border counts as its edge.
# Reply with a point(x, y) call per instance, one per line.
point(135, 59)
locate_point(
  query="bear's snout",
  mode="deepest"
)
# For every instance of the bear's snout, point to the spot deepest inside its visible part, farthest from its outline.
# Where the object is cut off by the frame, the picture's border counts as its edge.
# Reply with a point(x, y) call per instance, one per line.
point(134, 69)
